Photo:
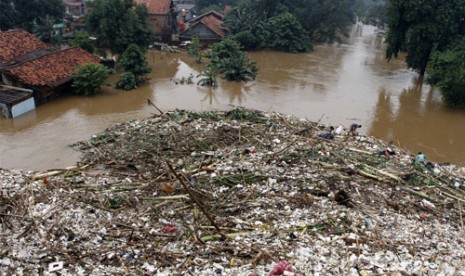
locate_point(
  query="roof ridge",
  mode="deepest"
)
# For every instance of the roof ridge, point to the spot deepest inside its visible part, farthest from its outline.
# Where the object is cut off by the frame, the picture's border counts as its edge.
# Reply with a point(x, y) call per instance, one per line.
point(37, 57)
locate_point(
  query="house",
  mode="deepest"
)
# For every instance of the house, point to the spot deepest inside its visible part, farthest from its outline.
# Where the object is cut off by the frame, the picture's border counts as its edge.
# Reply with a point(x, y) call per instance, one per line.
point(207, 27)
point(26, 62)
point(161, 18)
point(75, 9)
point(49, 74)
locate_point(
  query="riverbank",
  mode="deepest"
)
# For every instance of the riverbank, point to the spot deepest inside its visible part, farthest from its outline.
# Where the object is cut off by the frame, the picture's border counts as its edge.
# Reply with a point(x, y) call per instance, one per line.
point(233, 193)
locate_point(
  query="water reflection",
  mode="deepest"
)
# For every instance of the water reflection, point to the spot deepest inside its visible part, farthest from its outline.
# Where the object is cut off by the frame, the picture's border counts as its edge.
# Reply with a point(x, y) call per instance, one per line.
point(420, 121)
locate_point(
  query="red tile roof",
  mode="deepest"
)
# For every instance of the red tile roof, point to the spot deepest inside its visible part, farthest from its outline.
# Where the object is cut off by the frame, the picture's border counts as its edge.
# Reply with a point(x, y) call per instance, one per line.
point(156, 6)
point(16, 43)
point(214, 24)
point(52, 69)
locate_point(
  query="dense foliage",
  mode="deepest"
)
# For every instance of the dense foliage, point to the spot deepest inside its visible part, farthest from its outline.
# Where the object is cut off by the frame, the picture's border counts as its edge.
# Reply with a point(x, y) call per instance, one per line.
point(117, 24)
point(207, 5)
point(372, 12)
point(238, 68)
point(228, 58)
point(127, 81)
point(289, 25)
point(133, 61)
point(26, 14)
point(447, 71)
point(286, 34)
point(423, 27)
point(89, 77)
point(324, 20)
point(82, 40)
point(224, 49)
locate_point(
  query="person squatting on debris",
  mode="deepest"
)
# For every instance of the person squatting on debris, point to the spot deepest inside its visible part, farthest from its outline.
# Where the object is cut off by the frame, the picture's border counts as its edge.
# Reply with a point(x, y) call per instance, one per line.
point(353, 129)
point(421, 158)
point(388, 151)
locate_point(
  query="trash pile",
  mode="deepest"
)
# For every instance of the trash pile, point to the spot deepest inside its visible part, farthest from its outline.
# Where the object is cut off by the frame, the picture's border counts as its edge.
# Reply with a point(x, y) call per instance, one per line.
point(239, 192)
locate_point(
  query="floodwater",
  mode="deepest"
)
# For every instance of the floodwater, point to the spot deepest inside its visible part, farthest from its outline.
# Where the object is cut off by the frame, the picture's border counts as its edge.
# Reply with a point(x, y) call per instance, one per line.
point(339, 84)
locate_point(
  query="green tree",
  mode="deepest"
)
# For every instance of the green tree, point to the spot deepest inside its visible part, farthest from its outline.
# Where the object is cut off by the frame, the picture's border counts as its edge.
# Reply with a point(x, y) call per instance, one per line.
point(89, 77)
point(247, 28)
point(44, 28)
point(194, 49)
point(7, 15)
point(26, 13)
point(208, 77)
point(286, 34)
point(447, 71)
point(206, 5)
point(133, 60)
point(372, 12)
point(224, 49)
point(324, 20)
point(421, 28)
point(238, 68)
point(82, 40)
point(127, 81)
point(228, 58)
point(252, 23)
point(116, 24)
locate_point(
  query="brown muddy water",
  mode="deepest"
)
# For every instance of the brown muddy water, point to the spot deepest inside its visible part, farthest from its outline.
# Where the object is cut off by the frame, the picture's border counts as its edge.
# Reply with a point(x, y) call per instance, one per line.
point(340, 83)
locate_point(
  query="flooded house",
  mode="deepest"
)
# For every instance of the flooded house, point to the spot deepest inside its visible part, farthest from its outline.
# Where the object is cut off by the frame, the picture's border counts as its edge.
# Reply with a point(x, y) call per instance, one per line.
point(28, 63)
point(15, 101)
point(161, 18)
point(206, 27)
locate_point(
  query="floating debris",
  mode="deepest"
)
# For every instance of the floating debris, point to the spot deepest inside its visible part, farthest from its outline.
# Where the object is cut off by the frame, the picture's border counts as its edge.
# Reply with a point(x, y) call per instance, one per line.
point(241, 192)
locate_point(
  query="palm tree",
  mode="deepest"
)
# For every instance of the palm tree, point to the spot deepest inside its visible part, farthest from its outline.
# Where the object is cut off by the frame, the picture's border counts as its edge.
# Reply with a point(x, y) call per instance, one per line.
point(208, 77)
point(238, 68)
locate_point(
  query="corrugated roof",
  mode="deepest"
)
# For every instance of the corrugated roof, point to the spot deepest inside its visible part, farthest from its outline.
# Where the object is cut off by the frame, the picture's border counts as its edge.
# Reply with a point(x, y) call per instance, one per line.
point(52, 69)
point(16, 43)
point(156, 6)
point(10, 96)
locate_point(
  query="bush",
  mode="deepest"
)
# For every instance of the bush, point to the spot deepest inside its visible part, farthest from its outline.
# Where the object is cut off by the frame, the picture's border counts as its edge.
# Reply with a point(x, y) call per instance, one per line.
point(89, 77)
point(238, 68)
point(287, 34)
point(133, 60)
point(127, 81)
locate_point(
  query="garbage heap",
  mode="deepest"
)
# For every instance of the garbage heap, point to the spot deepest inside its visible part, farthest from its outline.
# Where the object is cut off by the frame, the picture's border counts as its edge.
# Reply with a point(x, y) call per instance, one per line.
point(240, 192)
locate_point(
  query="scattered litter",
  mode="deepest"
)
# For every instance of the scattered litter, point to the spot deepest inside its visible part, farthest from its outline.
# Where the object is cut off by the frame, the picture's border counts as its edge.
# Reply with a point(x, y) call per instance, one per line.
point(233, 193)
point(55, 266)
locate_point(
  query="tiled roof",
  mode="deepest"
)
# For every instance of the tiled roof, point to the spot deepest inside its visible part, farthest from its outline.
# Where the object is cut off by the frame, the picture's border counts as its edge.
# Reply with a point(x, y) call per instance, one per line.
point(216, 14)
point(214, 24)
point(156, 6)
point(75, 4)
point(16, 43)
point(52, 69)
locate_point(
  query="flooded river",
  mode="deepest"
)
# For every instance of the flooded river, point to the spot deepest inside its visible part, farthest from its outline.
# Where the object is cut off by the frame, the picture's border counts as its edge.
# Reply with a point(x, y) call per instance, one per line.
point(341, 84)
